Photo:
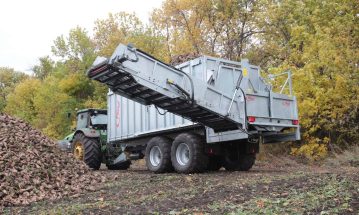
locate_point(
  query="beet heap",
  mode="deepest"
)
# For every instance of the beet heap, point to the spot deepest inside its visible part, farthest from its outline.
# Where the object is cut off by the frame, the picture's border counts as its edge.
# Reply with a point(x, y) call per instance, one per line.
point(33, 168)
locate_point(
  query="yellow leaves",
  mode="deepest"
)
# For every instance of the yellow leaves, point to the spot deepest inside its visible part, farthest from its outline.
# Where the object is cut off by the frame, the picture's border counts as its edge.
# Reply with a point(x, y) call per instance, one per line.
point(77, 85)
point(116, 28)
point(208, 27)
point(317, 40)
point(21, 102)
point(70, 82)
point(44, 104)
point(95, 104)
point(313, 150)
point(127, 28)
point(52, 103)
point(326, 80)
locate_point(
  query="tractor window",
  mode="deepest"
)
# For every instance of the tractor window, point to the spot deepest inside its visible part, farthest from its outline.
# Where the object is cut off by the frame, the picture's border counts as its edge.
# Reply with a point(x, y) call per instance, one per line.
point(99, 119)
point(82, 121)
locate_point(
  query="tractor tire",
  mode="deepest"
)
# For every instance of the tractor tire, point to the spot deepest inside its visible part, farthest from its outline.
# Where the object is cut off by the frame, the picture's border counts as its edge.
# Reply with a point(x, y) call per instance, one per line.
point(215, 163)
point(187, 154)
point(120, 166)
point(240, 162)
point(158, 155)
point(91, 151)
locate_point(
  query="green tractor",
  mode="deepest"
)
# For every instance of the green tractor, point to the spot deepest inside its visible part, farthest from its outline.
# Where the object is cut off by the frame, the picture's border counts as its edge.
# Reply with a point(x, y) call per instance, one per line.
point(89, 142)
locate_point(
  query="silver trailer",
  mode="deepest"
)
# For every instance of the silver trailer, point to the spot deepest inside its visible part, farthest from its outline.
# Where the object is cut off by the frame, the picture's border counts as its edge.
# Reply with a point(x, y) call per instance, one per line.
point(200, 115)
point(128, 119)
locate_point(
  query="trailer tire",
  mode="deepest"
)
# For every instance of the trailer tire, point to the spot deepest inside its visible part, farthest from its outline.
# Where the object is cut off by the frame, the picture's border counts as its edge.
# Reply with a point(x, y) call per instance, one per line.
point(158, 155)
point(215, 163)
point(187, 154)
point(91, 152)
point(243, 162)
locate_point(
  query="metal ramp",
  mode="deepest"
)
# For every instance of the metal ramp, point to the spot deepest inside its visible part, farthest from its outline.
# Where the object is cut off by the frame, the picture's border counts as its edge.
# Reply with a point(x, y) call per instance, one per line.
point(138, 76)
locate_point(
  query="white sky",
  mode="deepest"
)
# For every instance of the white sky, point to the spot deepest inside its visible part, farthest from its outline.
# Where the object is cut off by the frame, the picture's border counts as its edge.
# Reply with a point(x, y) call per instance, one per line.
point(29, 27)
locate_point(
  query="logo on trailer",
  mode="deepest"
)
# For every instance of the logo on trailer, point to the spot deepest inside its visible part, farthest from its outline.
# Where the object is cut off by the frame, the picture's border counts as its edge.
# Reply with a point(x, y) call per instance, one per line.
point(250, 98)
point(286, 103)
point(118, 114)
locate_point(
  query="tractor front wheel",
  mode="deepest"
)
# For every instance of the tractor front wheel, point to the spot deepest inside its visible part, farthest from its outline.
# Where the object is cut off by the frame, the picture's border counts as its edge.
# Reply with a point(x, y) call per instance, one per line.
point(88, 150)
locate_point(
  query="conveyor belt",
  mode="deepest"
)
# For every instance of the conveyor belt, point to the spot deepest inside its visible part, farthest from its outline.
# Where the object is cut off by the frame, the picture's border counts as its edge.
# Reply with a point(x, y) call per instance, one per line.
point(123, 82)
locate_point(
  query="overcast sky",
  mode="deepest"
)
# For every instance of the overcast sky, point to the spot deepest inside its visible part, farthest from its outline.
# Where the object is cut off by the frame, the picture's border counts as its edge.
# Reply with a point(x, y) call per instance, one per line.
point(29, 27)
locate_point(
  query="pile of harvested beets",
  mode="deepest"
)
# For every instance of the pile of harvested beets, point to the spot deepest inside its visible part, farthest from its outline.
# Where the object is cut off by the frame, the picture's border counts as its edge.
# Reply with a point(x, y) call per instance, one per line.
point(33, 168)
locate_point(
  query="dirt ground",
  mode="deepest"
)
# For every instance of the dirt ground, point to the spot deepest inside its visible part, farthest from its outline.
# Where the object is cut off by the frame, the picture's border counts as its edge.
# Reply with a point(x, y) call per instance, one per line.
point(265, 189)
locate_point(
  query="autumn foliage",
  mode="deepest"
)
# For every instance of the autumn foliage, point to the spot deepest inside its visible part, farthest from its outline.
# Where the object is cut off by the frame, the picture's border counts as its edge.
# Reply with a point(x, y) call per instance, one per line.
point(317, 40)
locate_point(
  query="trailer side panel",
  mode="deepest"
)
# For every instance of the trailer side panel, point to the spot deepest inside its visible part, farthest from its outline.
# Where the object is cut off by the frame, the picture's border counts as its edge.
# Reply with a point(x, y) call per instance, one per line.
point(129, 119)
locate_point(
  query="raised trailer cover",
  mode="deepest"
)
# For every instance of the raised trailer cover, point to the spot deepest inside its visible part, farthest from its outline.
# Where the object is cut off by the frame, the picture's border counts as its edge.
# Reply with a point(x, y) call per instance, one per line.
point(269, 112)
point(140, 77)
point(128, 119)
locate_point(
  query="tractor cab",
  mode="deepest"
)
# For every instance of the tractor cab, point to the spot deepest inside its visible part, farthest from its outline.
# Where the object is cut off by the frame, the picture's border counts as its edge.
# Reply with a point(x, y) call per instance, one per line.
point(92, 118)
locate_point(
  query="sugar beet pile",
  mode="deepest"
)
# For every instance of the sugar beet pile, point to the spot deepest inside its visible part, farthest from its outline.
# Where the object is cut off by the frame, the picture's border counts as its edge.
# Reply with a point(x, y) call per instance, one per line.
point(178, 59)
point(32, 168)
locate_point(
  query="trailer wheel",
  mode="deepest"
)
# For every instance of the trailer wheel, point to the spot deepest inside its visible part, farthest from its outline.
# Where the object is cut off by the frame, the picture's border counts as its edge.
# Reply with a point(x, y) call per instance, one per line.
point(187, 153)
point(158, 155)
point(88, 150)
point(120, 166)
point(239, 162)
point(215, 163)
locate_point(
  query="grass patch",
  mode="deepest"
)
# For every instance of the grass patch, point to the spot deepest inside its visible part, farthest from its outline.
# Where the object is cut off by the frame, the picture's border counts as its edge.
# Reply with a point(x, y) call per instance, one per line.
point(348, 157)
point(77, 208)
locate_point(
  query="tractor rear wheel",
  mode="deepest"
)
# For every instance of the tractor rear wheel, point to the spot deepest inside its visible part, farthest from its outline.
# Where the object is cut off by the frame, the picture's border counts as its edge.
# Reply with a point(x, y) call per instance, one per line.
point(88, 150)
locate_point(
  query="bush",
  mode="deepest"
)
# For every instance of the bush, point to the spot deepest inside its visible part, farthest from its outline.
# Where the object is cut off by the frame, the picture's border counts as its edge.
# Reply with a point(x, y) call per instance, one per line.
point(348, 157)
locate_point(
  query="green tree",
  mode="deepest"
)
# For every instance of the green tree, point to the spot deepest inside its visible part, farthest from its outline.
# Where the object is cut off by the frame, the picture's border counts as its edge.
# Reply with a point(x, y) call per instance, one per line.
point(20, 102)
point(127, 28)
point(223, 28)
point(52, 105)
point(76, 52)
point(116, 28)
point(319, 42)
point(8, 80)
point(45, 67)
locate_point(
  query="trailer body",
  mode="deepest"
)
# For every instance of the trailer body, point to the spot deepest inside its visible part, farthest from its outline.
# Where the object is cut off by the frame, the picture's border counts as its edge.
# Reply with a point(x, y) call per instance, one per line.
point(225, 103)
point(128, 119)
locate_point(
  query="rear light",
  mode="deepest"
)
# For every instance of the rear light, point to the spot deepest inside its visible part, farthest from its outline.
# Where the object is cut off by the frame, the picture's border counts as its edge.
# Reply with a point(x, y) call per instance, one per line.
point(251, 119)
point(210, 151)
point(295, 122)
